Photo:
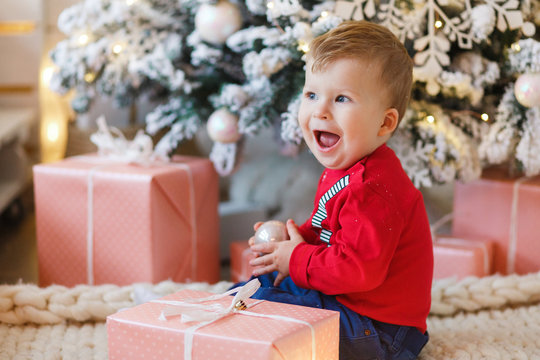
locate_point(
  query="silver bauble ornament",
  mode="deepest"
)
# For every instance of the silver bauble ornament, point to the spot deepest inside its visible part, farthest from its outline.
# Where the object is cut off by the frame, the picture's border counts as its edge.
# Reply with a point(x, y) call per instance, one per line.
point(527, 89)
point(222, 126)
point(216, 22)
point(272, 230)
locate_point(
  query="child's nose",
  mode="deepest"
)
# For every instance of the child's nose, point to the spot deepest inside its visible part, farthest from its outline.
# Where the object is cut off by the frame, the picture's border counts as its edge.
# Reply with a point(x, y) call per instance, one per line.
point(321, 112)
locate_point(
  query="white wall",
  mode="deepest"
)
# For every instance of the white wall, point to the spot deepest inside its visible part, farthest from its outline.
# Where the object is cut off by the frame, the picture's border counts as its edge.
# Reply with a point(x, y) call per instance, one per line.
point(20, 53)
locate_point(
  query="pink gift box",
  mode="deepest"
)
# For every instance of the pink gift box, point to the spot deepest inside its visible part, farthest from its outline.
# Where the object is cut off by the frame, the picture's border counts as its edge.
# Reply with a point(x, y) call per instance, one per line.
point(104, 222)
point(137, 333)
point(505, 211)
point(241, 254)
point(457, 257)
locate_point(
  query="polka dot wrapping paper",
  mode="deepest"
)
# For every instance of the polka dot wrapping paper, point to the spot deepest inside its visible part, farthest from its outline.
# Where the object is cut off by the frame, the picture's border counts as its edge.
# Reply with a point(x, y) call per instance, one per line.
point(460, 258)
point(138, 333)
point(504, 210)
point(104, 222)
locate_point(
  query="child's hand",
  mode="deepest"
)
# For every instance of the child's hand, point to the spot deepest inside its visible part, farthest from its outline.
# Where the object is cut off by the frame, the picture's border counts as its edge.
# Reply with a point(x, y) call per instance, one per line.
point(276, 255)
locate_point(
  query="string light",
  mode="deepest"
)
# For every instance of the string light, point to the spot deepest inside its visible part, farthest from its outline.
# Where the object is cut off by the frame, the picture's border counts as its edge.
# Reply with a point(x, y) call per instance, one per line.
point(484, 117)
point(270, 5)
point(324, 14)
point(438, 24)
point(130, 2)
point(516, 47)
point(430, 119)
point(117, 48)
point(303, 46)
point(89, 77)
point(83, 39)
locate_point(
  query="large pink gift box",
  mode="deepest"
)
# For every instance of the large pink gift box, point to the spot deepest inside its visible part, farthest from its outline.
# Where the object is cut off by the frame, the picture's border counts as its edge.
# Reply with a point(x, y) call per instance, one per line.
point(137, 333)
point(101, 222)
point(459, 258)
point(505, 211)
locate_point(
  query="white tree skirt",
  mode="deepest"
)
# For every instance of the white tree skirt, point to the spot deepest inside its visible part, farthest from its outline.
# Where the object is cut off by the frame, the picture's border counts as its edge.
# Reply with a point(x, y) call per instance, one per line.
point(496, 317)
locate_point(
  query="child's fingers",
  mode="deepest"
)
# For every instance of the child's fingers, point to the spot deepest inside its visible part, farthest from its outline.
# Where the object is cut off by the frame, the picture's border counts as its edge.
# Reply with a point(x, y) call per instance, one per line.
point(261, 260)
point(292, 228)
point(251, 241)
point(257, 225)
point(264, 269)
point(279, 278)
point(266, 248)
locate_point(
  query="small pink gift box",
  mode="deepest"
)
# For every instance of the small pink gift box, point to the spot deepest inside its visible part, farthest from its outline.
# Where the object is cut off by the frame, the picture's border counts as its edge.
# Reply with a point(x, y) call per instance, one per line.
point(137, 333)
point(456, 257)
point(505, 211)
point(100, 221)
point(241, 254)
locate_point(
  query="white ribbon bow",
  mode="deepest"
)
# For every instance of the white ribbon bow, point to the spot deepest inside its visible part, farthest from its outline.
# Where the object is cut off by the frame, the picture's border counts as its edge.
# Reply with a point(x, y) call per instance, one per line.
point(191, 311)
point(208, 314)
point(139, 150)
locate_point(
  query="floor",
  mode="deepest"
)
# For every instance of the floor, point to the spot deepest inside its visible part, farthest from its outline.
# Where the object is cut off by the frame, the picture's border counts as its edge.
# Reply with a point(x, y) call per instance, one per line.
point(18, 251)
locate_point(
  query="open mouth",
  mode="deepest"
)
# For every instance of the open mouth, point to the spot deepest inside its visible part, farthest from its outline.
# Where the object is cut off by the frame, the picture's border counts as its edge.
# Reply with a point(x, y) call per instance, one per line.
point(326, 139)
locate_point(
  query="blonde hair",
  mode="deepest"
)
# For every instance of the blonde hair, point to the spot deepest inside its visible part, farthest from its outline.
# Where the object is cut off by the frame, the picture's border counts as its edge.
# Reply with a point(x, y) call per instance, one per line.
point(373, 43)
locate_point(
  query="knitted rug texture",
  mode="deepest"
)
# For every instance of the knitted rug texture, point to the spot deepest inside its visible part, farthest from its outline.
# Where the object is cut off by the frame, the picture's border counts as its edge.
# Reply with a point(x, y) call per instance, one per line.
point(495, 317)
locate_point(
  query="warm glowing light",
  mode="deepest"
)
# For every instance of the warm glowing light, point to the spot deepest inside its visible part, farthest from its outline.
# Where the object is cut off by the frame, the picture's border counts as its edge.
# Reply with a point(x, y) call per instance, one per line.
point(303, 46)
point(516, 47)
point(46, 75)
point(53, 132)
point(438, 24)
point(83, 39)
point(117, 48)
point(130, 2)
point(430, 119)
point(484, 117)
point(270, 5)
point(89, 77)
point(324, 14)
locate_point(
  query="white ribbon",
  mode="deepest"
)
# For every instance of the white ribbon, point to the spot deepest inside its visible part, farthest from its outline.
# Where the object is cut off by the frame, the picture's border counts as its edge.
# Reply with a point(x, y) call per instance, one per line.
point(513, 231)
point(139, 150)
point(90, 225)
point(210, 313)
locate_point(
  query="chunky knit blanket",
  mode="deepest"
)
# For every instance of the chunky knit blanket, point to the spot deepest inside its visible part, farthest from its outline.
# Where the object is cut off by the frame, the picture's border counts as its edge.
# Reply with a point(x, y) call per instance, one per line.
point(496, 317)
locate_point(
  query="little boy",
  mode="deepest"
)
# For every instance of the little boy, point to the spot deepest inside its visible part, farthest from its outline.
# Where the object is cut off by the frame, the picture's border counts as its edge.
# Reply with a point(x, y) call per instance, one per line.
point(366, 251)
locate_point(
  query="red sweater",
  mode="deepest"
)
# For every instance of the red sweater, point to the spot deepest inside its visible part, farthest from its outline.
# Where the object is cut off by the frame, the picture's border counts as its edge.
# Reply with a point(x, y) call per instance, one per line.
point(368, 242)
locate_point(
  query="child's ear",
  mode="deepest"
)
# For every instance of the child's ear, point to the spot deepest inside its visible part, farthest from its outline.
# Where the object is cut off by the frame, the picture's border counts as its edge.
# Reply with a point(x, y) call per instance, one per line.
point(389, 123)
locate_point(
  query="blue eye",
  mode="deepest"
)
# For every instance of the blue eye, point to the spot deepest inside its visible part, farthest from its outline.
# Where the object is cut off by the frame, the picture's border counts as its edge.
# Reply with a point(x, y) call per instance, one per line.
point(342, 98)
point(311, 96)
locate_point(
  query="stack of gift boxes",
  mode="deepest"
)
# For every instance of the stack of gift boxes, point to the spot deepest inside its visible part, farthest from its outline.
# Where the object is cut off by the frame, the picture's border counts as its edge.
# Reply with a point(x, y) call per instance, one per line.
point(493, 227)
point(101, 221)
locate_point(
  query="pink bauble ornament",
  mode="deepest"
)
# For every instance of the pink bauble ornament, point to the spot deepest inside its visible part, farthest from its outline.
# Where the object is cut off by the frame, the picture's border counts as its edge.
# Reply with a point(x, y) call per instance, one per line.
point(222, 126)
point(527, 89)
point(272, 230)
point(216, 22)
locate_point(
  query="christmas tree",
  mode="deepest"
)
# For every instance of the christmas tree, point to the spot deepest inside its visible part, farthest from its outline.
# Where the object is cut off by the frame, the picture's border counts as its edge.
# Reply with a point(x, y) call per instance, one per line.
point(237, 67)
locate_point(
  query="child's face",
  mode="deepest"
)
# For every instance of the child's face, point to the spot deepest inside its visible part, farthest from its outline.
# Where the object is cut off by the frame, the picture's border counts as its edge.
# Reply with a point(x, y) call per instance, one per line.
point(343, 108)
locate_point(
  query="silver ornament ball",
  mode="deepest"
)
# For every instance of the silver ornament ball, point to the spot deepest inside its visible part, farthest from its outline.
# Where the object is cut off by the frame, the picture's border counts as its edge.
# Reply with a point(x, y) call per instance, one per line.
point(222, 126)
point(215, 23)
point(272, 230)
point(527, 89)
